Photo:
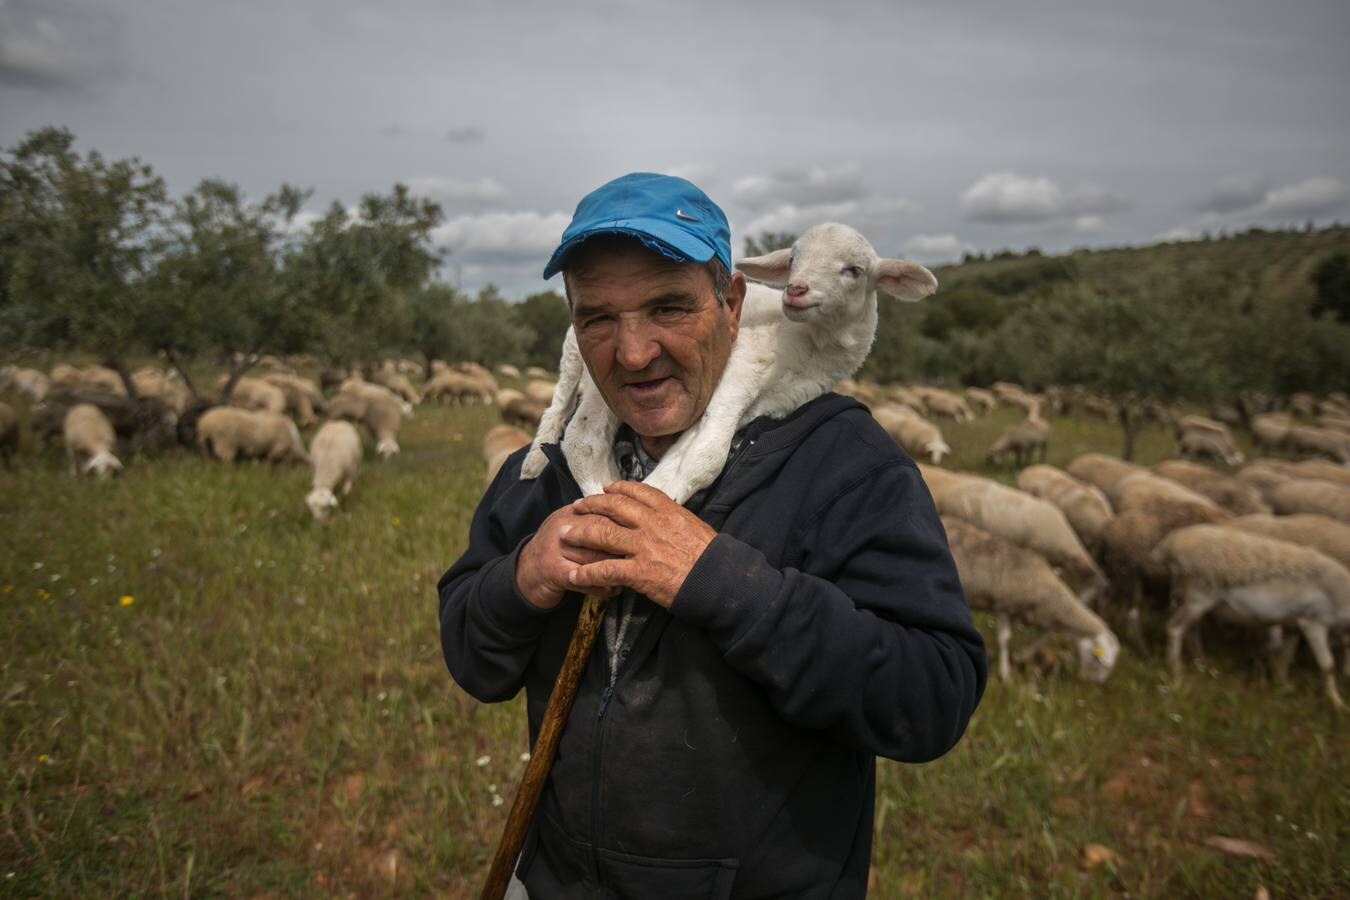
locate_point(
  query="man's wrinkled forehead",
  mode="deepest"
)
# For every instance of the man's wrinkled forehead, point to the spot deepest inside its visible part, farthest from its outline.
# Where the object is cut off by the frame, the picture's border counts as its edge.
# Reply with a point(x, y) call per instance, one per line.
point(584, 263)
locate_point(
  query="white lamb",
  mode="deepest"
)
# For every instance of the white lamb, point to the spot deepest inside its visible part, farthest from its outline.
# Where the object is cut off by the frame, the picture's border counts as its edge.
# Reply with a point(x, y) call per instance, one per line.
point(793, 346)
point(336, 455)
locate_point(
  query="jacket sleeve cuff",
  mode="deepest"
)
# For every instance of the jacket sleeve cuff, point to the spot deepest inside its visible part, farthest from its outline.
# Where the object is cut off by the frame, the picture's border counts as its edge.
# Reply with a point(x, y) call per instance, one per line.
point(728, 589)
point(508, 607)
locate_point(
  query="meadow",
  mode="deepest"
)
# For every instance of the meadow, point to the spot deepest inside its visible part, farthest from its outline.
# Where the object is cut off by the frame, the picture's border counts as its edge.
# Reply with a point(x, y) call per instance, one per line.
point(205, 693)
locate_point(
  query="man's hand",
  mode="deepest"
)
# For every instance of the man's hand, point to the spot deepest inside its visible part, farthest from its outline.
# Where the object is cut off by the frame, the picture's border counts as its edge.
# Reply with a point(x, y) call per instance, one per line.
point(545, 561)
point(642, 540)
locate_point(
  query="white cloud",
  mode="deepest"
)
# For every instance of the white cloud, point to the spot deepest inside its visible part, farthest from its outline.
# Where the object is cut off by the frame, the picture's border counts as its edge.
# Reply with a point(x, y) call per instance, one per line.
point(459, 191)
point(799, 187)
point(934, 248)
point(1176, 235)
point(495, 236)
point(1308, 197)
point(1007, 198)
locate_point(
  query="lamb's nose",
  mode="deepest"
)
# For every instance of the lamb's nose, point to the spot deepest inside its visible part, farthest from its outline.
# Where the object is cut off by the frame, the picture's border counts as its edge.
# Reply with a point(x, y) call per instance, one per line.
point(797, 290)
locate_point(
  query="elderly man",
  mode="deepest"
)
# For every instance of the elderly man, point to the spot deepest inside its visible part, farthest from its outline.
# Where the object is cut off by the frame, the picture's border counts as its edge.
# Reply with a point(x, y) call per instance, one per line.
point(801, 617)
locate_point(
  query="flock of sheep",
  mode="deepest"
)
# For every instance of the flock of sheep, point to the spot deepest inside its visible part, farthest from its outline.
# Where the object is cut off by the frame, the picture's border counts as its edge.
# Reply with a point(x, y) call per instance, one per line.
point(1266, 546)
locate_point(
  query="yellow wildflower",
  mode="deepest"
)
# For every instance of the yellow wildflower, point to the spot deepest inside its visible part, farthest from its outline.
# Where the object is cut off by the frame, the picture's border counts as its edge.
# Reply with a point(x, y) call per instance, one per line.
point(127, 600)
point(8, 588)
point(42, 757)
point(43, 594)
point(394, 520)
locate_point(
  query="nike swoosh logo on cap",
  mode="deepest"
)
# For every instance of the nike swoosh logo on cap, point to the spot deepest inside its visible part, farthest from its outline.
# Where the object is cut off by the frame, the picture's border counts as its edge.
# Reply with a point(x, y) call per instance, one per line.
point(681, 214)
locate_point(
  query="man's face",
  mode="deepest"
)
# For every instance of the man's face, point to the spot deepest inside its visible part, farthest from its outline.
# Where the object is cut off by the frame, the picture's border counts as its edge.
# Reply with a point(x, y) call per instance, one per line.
point(653, 335)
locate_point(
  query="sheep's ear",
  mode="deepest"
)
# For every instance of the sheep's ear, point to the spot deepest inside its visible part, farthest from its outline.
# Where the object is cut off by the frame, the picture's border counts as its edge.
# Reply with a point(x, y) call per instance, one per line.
point(771, 268)
point(905, 280)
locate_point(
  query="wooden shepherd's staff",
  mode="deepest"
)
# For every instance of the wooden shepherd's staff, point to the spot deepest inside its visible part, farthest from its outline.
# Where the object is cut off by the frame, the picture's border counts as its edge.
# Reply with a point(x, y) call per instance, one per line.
point(545, 746)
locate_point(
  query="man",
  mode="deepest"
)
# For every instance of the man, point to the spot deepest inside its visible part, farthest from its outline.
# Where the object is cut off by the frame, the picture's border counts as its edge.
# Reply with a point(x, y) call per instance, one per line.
point(761, 651)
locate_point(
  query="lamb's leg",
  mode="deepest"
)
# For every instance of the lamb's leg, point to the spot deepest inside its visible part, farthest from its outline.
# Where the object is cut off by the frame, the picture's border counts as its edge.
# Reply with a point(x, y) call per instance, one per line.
point(1193, 608)
point(570, 369)
point(1283, 647)
point(1004, 631)
point(588, 444)
point(1316, 635)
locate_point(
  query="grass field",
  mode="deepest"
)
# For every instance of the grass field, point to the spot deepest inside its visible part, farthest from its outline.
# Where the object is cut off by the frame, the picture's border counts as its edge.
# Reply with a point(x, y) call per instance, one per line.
point(202, 692)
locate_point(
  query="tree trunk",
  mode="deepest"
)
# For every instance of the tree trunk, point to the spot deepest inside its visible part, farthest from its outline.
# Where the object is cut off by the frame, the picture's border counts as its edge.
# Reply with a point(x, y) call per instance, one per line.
point(182, 373)
point(1130, 425)
point(115, 363)
point(237, 370)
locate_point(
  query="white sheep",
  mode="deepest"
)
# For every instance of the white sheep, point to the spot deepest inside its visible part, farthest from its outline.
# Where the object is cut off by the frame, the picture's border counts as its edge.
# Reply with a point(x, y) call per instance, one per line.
point(1231, 493)
point(379, 412)
point(1305, 495)
point(499, 443)
point(1023, 440)
point(1306, 440)
point(254, 393)
point(919, 437)
point(228, 433)
point(1016, 583)
point(89, 440)
point(1101, 470)
point(336, 455)
point(1259, 581)
point(1200, 444)
point(506, 370)
point(29, 383)
point(358, 387)
point(1083, 504)
point(793, 345)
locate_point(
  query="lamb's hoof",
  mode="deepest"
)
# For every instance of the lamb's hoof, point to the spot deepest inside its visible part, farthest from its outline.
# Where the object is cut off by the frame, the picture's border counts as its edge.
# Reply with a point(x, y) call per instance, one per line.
point(534, 463)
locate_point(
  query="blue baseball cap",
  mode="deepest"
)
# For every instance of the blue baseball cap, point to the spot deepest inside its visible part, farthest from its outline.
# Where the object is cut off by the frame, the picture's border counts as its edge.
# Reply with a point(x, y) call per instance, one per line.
point(668, 214)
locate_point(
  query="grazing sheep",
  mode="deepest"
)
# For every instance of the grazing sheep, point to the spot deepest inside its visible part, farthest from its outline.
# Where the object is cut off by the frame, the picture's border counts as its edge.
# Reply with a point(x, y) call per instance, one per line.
point(254, 393)
point(1256, 580)
point(1302, 439)
point(1269, 431)
point(102, 378)
point(65, 377)
point(9, 432)
point(1018, 517)
point(979, 397)
point(506, 370)
point(1146, 491)
point(499, 443)
point(919, 437)
point(536, 372)
point(381, 413)
point(366, 390)
point(1202, 423)
point(1321, 533)
point(1300, 495)
point(1024, 441)
point(388, 377)
point(1231, 493)
point(540, 391)
point(523, 412)
point(458, 387)
point(300, 396)
point(944, 403)
point(89, 441)
point(336, 455)
point(1126, 549)
point(228, 433)
point(793, 345)
point(904, 396)
point(1101, 470)
point(1303, 404)
point(1320, 470)
point(1015, 583)
point(29, 383)
point(1332, 422)
point(168, 388)
point(1083, 504)
point(1197, 444)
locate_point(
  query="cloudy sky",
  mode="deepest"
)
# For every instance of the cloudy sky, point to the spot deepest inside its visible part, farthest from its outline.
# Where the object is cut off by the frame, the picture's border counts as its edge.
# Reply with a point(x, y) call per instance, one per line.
point(935, 127)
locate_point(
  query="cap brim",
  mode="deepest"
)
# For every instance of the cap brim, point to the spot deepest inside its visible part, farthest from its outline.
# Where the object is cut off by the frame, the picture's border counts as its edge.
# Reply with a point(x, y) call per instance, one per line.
point(660, 236)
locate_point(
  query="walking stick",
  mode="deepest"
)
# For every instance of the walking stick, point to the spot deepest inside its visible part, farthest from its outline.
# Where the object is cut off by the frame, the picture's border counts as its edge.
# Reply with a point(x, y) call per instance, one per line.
point(545, 746)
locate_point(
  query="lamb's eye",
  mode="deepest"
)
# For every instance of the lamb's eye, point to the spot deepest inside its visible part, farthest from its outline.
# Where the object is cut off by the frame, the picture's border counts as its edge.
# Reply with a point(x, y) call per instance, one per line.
point(853, 271)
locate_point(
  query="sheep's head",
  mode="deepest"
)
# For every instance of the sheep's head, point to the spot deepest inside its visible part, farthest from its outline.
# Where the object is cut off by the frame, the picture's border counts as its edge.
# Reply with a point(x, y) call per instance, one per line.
point(1097, 656)
point(386, 448)
point(321, 502)
point(831, 274)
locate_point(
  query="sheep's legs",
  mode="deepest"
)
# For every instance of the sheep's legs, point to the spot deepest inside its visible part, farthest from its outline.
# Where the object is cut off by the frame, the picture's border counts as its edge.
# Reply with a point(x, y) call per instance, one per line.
point(1283, 647)
point(1193, 609)
point(1004, 639)
point(1316, 635)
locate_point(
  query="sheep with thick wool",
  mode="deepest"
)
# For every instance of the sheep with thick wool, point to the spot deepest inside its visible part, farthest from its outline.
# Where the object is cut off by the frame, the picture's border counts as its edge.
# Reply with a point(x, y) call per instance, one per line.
point(1308, 441)
point(1233, 494)
point(90, 440)
point(1101, 470)
point(1146, 491)
point(1084, 505)
point(1015, 583)
point(1305, 495)
point(499, 443)
point(335, 454)
point(1208, 445)
point(1321, 533)
point(1259, 581)
point(381, 413)
point(1024, 441)
point(919, 437)
point(1018, 517)
point(303, 398)
point(28, 383)
point(793, 345)
point(229, 433)
point(254, 393)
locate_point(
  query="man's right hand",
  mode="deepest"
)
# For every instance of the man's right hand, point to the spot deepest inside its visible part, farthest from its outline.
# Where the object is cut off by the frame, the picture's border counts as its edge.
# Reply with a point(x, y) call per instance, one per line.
point(545, 561)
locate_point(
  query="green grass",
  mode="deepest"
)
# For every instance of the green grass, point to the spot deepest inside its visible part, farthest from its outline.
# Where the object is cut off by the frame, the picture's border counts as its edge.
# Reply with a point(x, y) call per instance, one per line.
point(270, 715)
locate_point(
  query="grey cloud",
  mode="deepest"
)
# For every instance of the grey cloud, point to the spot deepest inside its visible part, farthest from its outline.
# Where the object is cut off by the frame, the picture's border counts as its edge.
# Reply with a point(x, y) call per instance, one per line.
point(810, 186)
point(458, 192)
point(467, 134)
point(1310, 197)
point(56, 45)
point(1234, 194)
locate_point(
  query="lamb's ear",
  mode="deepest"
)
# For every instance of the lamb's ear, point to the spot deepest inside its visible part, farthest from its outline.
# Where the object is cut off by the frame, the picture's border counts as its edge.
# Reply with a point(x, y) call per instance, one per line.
point(905, 280)
point(771, 268)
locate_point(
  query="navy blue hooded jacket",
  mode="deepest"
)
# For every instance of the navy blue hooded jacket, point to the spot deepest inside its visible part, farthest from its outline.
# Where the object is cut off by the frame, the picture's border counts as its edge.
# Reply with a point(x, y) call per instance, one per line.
point(735, 754)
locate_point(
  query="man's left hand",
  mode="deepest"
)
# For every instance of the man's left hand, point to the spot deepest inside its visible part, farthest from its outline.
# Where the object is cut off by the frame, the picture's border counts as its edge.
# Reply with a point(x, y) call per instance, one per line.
point(655, 541)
